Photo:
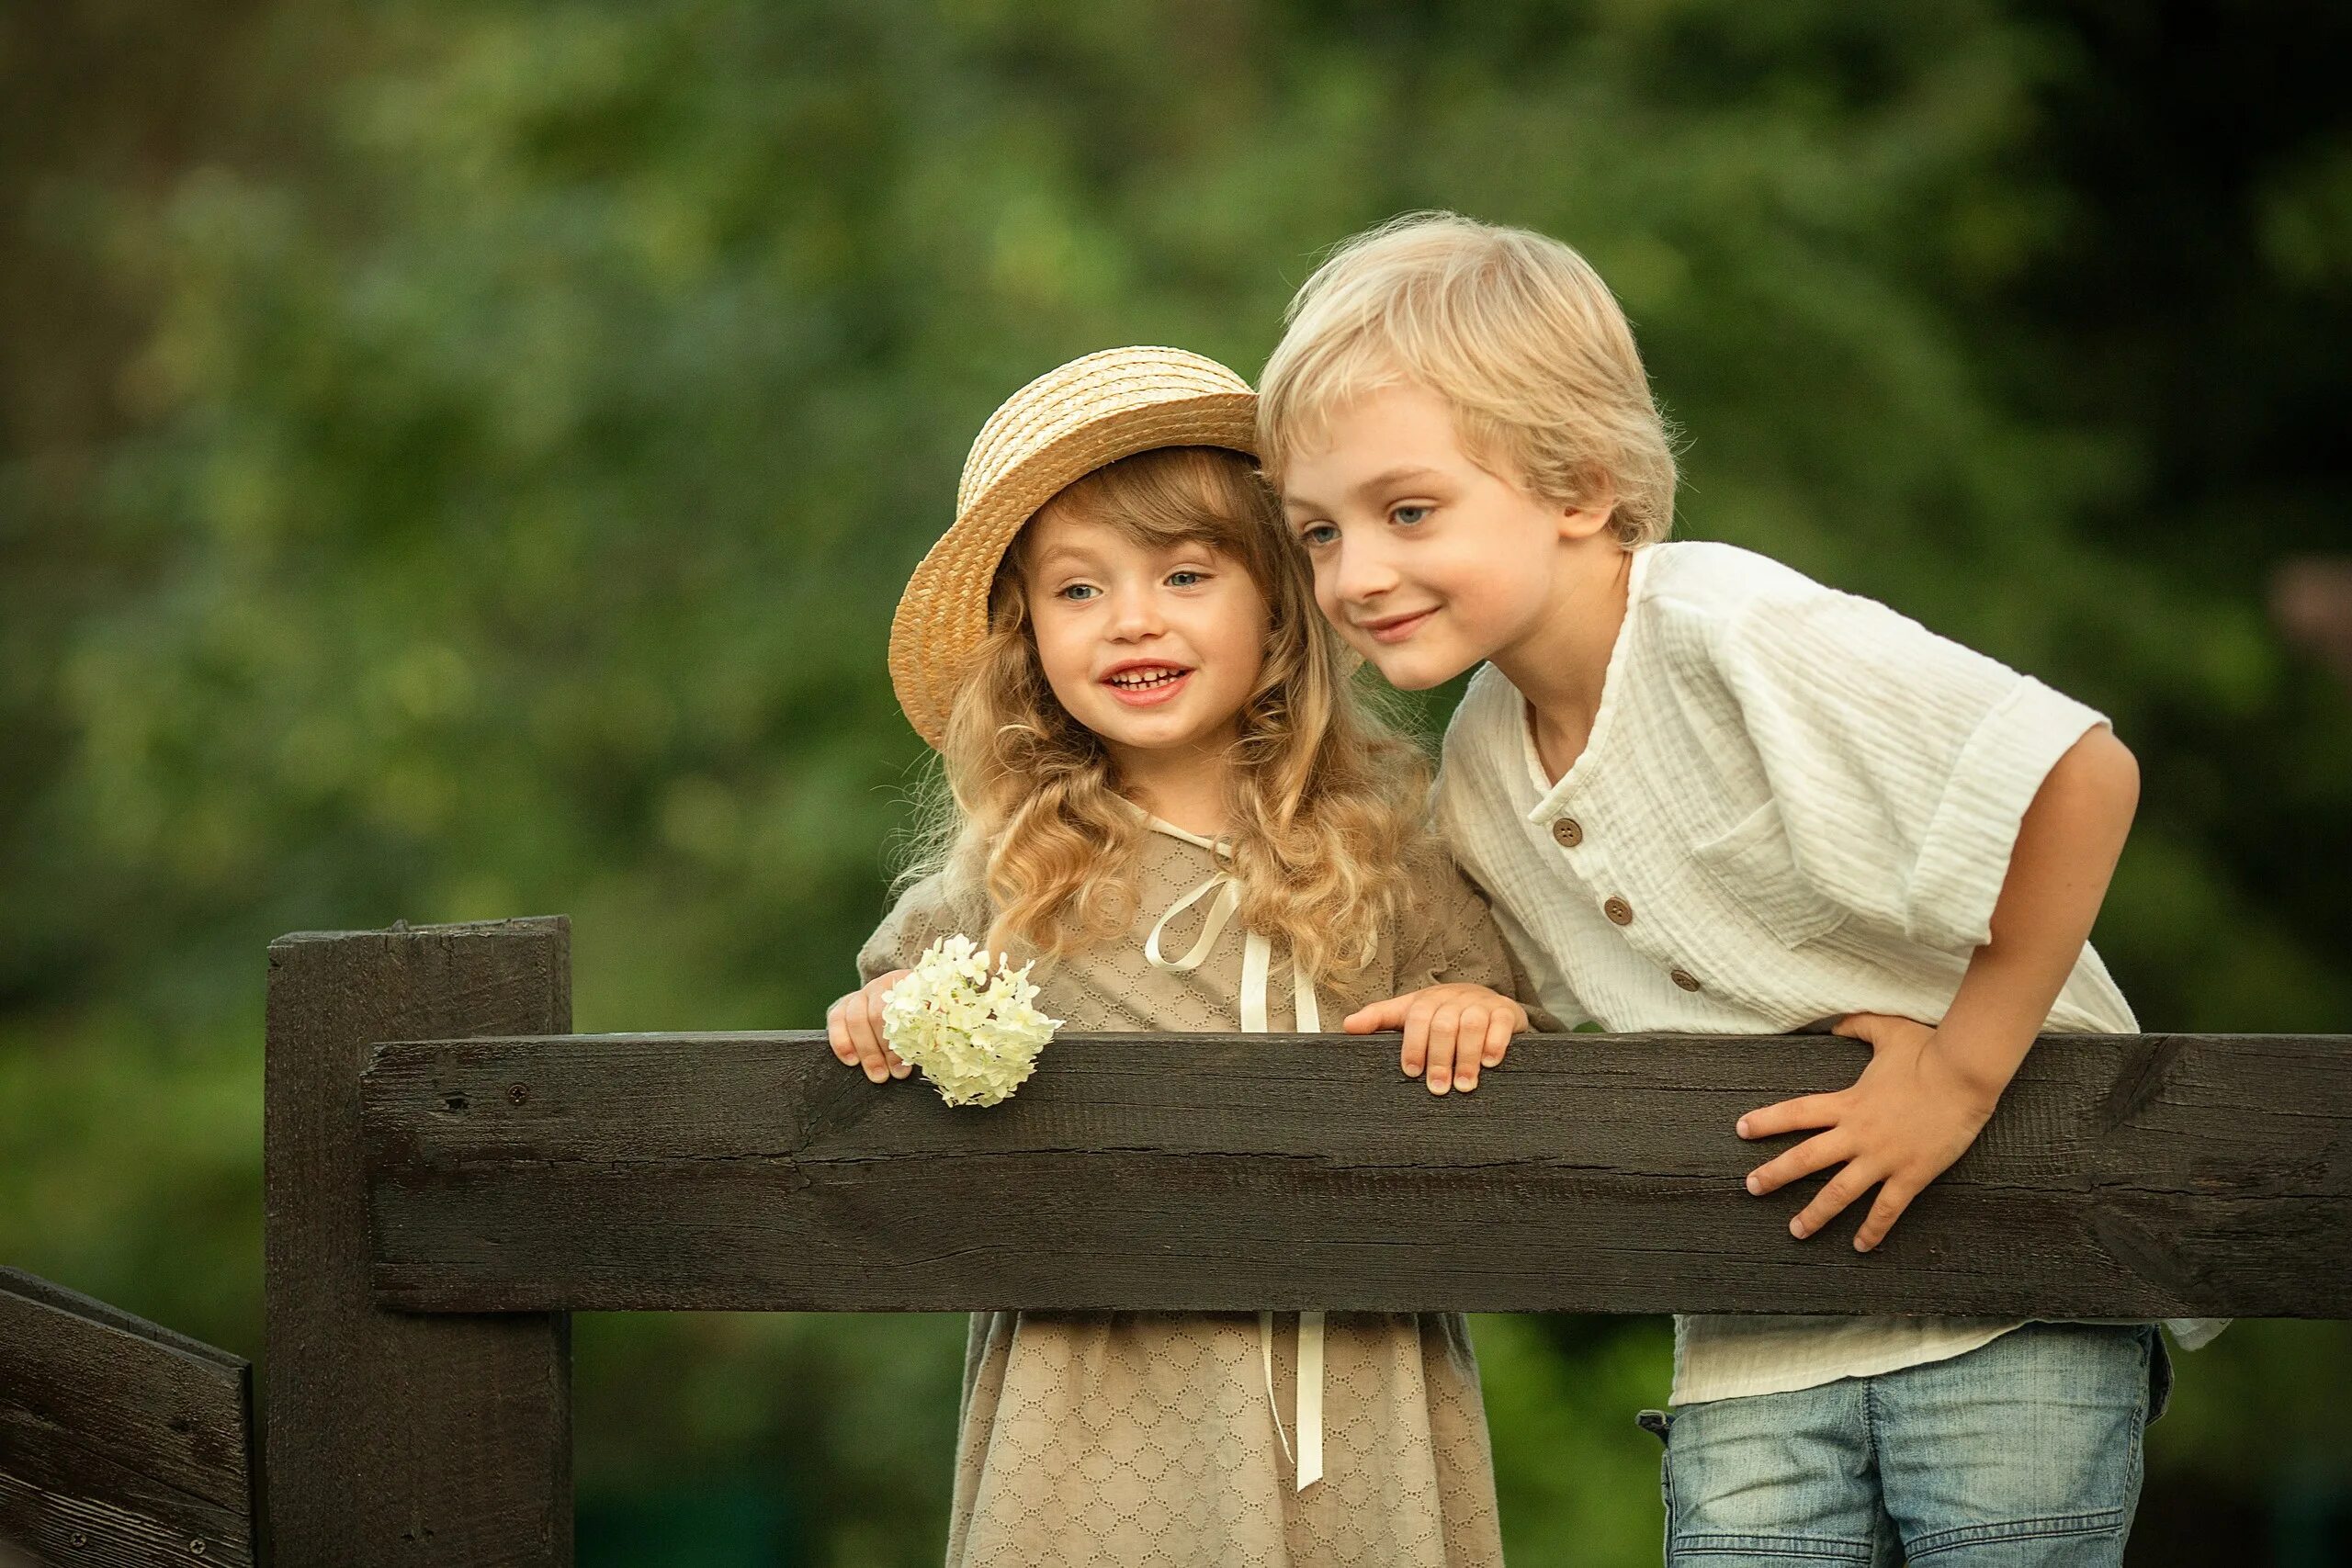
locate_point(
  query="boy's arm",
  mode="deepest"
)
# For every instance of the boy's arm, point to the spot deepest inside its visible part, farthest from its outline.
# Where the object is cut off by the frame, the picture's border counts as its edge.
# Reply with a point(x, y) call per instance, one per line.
point(1927, 1092)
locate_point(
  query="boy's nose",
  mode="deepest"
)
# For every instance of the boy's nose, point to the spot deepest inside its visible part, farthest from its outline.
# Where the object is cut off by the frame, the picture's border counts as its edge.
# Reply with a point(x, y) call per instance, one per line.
point(1362, 575)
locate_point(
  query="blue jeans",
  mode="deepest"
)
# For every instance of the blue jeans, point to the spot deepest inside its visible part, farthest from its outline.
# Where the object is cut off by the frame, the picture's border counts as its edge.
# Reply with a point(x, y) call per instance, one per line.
point(2022, 1453)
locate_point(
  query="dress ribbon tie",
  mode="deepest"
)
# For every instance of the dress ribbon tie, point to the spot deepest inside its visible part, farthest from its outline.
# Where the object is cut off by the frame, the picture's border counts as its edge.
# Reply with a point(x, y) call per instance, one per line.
point(1223, 893)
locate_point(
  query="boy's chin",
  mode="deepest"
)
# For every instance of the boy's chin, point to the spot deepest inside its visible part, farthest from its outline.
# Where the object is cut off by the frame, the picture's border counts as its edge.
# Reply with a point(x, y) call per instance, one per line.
point(1417, 672)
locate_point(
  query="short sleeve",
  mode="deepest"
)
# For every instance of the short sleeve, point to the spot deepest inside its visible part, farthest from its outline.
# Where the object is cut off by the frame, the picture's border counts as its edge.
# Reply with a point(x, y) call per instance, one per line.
point(926, 911)
point(1900, 762)
point(1447, 935)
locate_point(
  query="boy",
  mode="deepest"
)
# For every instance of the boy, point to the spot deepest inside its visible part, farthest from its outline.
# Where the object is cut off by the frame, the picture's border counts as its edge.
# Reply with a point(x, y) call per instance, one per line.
point(1708, 794)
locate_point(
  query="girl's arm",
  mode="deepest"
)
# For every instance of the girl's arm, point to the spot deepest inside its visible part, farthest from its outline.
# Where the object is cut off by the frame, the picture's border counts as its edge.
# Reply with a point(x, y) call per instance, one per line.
point(1927, 1092)
point(924, 911)
point(1461, 1013)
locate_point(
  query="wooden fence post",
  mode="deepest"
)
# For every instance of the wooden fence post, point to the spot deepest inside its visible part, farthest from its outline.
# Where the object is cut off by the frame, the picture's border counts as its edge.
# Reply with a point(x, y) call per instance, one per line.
point(389, 1437)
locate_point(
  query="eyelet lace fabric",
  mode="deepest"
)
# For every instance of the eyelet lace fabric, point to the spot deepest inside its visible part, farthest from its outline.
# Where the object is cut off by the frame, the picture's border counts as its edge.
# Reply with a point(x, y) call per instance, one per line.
point(1147, 1439)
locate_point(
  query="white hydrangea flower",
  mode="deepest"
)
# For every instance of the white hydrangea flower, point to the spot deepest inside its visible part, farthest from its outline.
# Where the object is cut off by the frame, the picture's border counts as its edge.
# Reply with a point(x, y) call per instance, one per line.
point(974, 1035)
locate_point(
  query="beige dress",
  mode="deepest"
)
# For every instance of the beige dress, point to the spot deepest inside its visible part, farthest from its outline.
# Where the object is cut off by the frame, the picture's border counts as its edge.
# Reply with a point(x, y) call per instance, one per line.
point(1163, 1439)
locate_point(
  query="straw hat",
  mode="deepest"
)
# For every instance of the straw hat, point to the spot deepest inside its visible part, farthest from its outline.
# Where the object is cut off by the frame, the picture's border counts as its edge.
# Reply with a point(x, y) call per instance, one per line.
point(1057, 429)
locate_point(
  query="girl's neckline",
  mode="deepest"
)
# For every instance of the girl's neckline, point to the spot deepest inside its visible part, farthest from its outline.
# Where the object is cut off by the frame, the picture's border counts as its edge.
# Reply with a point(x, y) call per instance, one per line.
point(1612, 683)
point(1161, 825)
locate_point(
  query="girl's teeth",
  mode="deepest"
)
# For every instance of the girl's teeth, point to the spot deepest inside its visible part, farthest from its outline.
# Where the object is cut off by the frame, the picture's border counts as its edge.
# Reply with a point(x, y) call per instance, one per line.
point(1141, 683)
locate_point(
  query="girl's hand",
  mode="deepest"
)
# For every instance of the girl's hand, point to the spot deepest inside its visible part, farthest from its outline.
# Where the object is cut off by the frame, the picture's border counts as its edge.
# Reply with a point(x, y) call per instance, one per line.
point(1451, 1031)
point(853, 1025)
point(1909, 1116)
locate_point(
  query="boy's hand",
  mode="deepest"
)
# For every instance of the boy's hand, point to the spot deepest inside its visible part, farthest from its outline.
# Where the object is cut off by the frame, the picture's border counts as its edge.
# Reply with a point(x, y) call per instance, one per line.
point(1450, 1030)
point(1909, 1116)
point(853, 1025)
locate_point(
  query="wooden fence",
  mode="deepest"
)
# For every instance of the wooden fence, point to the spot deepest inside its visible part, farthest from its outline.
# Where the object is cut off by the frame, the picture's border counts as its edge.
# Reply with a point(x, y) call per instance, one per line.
point(450, 1172)
point(122, 1443)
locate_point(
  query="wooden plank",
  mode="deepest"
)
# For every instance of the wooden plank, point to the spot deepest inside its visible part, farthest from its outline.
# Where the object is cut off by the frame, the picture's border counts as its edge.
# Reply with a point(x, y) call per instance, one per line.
point(389, 1437)
point(2123, 1176)
point(122, 1443)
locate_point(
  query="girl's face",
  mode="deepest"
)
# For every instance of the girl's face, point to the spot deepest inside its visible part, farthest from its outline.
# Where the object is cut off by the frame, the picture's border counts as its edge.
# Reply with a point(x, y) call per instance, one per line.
point(1153, 648)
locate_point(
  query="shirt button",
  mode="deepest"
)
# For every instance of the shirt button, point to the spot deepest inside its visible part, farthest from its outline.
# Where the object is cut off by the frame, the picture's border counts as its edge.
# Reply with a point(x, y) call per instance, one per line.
point(1684, 978)
point(1568, 832)
point(1619, 912)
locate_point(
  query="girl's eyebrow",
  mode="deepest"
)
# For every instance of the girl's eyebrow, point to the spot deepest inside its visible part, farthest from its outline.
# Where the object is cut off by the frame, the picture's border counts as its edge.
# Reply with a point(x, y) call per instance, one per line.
point(1064, 556)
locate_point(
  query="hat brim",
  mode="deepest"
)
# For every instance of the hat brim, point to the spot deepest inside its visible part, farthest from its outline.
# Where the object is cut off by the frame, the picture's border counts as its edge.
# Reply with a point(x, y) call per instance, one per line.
point(943, 617)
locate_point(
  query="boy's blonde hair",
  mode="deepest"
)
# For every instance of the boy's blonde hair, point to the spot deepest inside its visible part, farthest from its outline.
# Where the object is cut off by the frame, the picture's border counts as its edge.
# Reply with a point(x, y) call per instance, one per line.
point(1513, 329)
point(1325, 798)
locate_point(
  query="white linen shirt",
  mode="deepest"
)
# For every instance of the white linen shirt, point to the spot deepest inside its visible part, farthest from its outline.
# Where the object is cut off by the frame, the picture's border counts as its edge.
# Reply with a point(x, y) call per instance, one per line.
point(1795, 804)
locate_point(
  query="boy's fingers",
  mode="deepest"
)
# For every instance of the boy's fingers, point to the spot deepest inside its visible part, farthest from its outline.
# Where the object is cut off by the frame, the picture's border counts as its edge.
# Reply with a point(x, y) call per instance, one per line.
point(1470, 1046)
point(1831, 1201)
point(1789, 1115)
point(1499, 1029)
point(1816, 1153)
point(1892, 1198)
point(1371, 1020)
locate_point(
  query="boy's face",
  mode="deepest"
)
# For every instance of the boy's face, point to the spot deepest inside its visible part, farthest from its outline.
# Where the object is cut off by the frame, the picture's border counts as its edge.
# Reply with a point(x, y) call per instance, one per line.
point(1426, 562)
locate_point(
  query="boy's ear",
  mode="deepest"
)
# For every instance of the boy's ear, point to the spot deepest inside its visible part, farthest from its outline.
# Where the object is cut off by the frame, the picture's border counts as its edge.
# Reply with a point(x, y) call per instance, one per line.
point(1596, 502)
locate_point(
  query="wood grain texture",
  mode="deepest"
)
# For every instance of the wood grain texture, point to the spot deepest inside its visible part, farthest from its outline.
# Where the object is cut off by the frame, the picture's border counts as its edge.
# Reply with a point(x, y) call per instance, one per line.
point(2123, 1176)
point(392, 1438)
point(122, 1444)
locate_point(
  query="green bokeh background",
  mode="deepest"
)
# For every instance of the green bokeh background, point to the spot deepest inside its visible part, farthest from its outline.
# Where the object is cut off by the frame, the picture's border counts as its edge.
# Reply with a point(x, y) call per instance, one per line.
point(456, 459)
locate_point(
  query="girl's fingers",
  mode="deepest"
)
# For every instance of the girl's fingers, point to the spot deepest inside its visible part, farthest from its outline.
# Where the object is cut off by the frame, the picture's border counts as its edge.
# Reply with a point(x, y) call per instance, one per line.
point(1414, 1054)
point(1444, 1024)
point(837, 1032)
point(1792, 1115)
point(1831, 1201)
point(1371, 1020)
point(1499, 1029)
point(874, 996)
point(871, 1052)
point(1470, 1047)
point(1816, 1153)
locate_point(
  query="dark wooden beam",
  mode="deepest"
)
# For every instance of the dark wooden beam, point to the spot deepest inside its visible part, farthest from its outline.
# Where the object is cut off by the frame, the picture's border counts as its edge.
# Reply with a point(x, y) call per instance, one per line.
point(120, 1443)
point(2123, 1176)
point(390, 1439)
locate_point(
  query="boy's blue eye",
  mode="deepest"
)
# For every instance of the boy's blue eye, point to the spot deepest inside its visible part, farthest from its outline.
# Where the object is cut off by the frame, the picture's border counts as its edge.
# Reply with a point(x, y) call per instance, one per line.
point(1185, 579)
point(1409, 516)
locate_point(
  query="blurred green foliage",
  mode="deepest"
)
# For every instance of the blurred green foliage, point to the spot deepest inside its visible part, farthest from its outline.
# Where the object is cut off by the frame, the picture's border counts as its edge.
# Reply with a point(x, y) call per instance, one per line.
point(459, 458)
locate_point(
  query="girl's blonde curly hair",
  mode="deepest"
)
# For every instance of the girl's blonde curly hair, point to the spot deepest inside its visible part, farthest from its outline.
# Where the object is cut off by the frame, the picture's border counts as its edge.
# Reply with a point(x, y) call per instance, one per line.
point(1326, 797)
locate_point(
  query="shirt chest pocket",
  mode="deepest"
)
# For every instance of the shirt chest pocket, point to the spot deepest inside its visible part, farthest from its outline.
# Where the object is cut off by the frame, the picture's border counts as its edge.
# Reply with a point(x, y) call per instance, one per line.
point(1756, 868)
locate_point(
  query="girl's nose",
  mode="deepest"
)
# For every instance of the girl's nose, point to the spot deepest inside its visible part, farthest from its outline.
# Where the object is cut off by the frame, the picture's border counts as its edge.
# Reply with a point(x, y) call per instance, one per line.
point(1135, 613)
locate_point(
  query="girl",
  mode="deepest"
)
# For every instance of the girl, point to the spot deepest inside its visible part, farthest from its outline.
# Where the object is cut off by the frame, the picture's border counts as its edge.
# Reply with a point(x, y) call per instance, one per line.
point(1158, 775)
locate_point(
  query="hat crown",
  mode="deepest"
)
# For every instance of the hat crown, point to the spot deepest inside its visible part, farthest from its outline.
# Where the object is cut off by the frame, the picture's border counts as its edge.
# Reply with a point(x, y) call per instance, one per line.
point(1085, 391)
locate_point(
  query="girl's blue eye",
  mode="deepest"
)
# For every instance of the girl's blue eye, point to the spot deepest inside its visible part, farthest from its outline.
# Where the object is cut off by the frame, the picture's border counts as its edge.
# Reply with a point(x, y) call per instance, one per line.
point(1184, 578)
point(1409, 516)
point(1315, 534)
point(1076, 591)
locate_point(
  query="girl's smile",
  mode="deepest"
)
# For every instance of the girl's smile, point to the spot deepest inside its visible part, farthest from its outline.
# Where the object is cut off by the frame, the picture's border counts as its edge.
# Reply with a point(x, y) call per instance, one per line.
point(1142, 683)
